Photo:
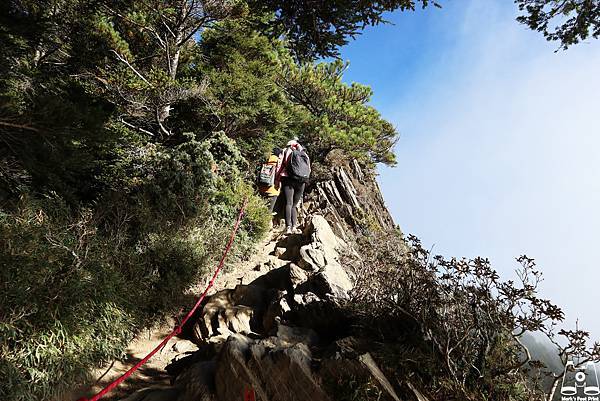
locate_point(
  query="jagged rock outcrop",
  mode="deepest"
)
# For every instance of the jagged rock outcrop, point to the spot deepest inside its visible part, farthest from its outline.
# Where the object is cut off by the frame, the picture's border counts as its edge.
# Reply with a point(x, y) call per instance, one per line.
point(350, 200)
point(321, 256)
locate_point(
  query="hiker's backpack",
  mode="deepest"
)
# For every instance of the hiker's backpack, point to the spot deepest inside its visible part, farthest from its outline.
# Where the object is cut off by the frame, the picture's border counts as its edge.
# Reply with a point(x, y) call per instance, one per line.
point(266, 175)
point(298, 165)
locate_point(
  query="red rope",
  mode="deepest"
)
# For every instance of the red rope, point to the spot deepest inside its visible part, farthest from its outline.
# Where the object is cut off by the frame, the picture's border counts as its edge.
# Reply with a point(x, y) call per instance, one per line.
point(177, 329)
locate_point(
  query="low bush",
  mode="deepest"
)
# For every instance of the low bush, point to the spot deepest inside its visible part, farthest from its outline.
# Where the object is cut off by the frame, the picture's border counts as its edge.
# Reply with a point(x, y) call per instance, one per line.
point(77, 282)
point(452, 325)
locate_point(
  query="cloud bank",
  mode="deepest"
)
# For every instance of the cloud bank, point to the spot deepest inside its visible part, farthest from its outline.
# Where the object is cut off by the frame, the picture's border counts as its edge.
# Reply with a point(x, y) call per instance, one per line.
point(500, 148)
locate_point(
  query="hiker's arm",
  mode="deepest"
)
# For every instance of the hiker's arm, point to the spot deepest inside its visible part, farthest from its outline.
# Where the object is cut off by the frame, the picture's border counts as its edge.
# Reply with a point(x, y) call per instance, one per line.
point(279, 168)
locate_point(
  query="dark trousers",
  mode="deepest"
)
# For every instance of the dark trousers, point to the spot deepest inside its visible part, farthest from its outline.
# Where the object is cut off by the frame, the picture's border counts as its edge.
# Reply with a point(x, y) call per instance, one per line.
point(270, 200)
point(293, 191)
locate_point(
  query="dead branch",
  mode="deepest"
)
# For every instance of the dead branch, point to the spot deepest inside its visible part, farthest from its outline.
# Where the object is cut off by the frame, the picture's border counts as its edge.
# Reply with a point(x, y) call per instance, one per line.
point(132, 68)
point(136, 127)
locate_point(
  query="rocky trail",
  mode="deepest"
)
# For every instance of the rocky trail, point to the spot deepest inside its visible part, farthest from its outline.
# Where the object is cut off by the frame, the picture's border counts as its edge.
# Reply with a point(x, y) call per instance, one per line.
point(274, 327)
point(153, 372)
point(272, 332)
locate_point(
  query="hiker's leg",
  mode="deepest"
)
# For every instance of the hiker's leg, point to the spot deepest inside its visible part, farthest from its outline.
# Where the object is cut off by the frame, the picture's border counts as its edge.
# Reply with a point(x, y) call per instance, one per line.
point(298, 191)
point(288, 190)
point(272, 200)
point(280, 207)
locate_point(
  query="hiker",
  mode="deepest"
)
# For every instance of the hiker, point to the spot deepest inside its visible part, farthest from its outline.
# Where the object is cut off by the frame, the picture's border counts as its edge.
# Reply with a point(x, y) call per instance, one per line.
point(268, 183)
point(293, 174)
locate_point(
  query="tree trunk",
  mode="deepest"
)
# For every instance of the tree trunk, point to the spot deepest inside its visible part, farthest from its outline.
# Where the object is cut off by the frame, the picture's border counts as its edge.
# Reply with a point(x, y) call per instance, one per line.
point(173, 62)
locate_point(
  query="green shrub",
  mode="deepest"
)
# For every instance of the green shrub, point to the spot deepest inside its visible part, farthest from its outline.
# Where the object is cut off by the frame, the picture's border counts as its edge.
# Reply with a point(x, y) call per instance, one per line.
point(76, 283)
point(61, 306)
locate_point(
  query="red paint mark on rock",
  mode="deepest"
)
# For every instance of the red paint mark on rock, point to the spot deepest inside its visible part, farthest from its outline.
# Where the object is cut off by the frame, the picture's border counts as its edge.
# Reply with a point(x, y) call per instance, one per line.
point(249, 394)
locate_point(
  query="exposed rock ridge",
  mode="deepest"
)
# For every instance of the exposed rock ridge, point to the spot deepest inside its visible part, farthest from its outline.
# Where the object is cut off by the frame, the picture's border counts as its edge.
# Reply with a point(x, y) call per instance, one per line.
point(351, 200)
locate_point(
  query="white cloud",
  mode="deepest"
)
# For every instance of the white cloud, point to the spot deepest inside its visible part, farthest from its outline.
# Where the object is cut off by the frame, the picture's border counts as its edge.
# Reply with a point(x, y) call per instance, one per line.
point(500, 155)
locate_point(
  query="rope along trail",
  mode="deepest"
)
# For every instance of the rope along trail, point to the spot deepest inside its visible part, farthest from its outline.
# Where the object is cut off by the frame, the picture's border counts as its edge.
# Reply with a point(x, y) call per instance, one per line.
point(177, 329)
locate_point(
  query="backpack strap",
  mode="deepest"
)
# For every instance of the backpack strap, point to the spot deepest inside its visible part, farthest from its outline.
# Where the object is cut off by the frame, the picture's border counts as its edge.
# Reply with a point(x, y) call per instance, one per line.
point(287, 155)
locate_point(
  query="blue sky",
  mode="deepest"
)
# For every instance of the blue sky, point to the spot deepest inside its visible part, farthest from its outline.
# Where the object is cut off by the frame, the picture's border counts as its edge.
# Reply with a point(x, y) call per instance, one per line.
point(499, 151)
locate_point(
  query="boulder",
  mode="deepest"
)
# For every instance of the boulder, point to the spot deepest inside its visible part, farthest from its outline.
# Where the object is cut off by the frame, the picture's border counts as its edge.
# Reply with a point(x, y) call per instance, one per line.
point(306, 298)
point(254, 296)
point(279, 251)
point(237, 319)
point(297, 275)
point(332, 279)
point(229, 311)
point(288, 335)
point(273, 280)
point(221, 322)
point(311, 258)
point(276, 310)
point(270, 373)
point(182, 362)
point(320, 231)
point(287, 247)
point(324, 316)
point(182, 346)
point(322, 254)
point(197, 382)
